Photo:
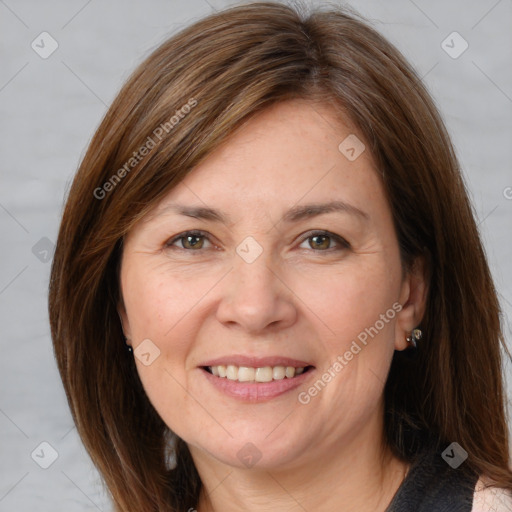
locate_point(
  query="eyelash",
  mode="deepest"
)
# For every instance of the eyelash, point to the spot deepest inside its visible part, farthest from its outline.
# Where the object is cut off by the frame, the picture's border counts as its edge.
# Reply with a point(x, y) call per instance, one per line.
point(198, 233)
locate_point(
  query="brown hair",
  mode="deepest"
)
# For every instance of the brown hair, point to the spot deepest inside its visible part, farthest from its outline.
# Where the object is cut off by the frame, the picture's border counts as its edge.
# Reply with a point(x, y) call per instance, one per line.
point(227, 67)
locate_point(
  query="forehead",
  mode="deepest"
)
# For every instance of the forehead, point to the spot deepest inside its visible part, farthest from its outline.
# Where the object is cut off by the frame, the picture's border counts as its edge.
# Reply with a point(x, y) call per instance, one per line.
point(292, 153)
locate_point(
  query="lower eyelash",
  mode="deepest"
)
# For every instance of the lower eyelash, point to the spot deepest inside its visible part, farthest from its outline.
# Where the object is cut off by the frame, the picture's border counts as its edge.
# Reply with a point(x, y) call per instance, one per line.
point(341, 241)
point(181, 236)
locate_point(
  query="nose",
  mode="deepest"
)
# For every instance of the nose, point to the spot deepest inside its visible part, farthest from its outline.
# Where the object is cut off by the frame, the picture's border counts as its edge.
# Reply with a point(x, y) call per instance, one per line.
point(256, 298)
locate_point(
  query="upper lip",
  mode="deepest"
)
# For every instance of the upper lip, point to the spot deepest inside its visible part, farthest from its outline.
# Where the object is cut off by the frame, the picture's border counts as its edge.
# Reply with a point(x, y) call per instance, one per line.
point(255, 362)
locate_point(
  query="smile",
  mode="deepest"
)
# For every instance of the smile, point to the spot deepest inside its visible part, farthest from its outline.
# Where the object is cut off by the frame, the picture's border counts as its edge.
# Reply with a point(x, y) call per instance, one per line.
point(251, 374)
point(256, 379)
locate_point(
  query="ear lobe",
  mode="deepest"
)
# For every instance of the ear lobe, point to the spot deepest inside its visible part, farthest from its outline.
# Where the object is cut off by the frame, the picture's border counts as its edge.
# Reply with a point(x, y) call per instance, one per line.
point(414, 302)
point(419, 288)
point(123, 317)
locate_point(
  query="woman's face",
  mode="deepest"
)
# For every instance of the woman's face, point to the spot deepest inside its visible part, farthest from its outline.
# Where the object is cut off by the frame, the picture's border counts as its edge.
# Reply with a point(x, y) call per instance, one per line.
point(265, 286)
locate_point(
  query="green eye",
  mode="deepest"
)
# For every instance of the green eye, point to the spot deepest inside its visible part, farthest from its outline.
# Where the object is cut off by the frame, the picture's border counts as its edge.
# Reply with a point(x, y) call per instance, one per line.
point(321, 241)
point(193, 242)
point(190, 240)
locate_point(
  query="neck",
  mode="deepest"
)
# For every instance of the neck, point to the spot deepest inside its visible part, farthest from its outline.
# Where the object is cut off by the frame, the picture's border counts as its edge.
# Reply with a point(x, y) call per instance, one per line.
point(360, 474)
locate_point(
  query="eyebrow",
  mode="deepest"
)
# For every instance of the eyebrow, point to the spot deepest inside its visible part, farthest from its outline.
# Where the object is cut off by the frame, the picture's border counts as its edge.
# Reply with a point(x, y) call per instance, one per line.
point(294, 214)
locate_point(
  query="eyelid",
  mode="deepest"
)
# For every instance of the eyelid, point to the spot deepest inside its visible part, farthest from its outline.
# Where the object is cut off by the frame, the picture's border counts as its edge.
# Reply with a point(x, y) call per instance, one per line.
point(183, 234)
point(314, 232)
point(322, 232)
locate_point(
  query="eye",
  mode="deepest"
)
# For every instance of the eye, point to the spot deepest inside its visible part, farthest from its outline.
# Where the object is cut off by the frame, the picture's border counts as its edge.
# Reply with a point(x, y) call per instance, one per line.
point(190, 240)
point(321, 241)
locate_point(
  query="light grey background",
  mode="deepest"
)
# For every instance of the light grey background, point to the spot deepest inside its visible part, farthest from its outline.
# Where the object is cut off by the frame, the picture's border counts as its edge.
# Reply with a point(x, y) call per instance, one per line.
point(49, 111)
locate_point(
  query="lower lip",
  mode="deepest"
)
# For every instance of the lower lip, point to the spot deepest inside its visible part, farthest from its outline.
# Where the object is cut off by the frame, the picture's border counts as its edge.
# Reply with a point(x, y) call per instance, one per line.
point(256, 391)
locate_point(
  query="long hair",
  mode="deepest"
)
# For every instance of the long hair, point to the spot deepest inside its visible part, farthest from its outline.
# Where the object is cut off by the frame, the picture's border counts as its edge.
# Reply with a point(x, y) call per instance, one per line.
point(180, 104)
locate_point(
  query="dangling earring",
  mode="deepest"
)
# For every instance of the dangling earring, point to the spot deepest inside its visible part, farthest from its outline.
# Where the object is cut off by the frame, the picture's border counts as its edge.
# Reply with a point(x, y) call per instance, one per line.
point(415, 336)
point(170, 450)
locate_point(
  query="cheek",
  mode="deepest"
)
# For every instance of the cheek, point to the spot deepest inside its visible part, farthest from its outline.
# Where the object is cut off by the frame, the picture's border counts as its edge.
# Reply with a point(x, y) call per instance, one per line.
point(357, 307)
point(155, 308)
point(158, 301)
point(158, 307)
point(348, 301)
point(354, 308)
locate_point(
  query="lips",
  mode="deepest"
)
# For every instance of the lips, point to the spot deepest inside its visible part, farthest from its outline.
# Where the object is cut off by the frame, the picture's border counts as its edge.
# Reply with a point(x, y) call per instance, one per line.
point(255, 379)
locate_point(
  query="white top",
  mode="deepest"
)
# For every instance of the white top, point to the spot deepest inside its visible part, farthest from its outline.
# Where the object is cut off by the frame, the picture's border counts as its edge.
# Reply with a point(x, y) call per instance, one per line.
point(491, 499)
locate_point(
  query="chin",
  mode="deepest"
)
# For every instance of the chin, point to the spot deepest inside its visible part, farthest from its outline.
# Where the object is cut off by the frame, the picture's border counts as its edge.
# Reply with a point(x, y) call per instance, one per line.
point(258, 453)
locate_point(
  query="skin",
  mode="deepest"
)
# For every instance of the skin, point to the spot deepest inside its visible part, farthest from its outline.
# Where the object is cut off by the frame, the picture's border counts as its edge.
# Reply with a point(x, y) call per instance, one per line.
point(304, 297)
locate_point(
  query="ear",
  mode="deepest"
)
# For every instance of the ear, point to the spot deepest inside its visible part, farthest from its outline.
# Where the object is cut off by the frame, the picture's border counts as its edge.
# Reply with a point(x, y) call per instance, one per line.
point(413, 298)
point(125, 324)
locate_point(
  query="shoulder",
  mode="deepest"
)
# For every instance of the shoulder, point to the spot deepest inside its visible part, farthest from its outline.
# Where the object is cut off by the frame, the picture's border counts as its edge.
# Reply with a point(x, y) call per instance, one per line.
point(491, 499)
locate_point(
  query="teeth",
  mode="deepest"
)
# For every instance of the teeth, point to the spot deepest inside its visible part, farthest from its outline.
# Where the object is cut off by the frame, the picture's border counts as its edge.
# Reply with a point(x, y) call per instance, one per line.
point(232, 372)
point(248, 374)
point(263, 374)
point(279, 372)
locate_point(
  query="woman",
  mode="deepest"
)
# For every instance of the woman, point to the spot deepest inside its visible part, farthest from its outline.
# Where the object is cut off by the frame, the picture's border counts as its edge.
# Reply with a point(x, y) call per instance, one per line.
point(269, 291)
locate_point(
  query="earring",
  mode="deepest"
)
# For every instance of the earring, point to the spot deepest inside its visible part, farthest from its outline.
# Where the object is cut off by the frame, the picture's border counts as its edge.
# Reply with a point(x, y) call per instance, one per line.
point(128, 347)
point(415, 336)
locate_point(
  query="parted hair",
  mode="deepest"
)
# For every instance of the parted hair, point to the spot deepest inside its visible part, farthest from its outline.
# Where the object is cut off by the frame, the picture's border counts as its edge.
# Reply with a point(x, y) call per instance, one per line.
point(228, 67)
